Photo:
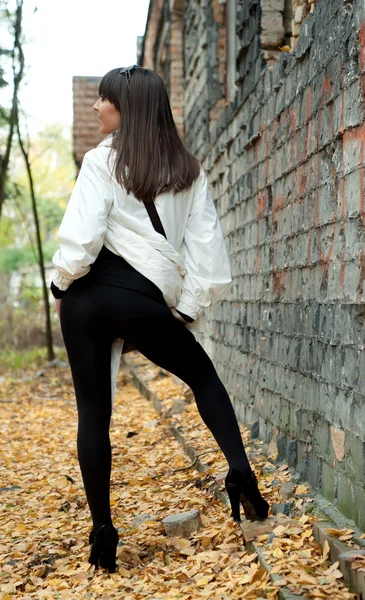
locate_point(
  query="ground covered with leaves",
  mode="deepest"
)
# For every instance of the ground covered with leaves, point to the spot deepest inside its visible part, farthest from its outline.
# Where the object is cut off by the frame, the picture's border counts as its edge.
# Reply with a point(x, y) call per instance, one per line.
point(45, 522)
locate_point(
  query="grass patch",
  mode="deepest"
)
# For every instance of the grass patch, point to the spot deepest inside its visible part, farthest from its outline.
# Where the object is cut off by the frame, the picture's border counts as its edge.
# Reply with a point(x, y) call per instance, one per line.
point(27, 359)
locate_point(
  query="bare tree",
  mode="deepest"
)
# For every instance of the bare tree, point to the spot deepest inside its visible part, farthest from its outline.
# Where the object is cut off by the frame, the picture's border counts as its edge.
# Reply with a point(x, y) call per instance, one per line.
point(18, 70)
point(18, 63)
point(24, 151)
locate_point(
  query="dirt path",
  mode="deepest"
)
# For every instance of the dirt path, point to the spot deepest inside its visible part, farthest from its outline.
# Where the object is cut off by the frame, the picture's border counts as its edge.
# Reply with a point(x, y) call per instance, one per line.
point(44, 520)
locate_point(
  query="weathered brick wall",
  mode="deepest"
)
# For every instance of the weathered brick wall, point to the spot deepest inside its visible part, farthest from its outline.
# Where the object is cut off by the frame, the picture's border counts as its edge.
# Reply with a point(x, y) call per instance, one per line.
point(202, 73)
point(86, 133)
point(148, 49)
point(285, 160)
point(286, 165)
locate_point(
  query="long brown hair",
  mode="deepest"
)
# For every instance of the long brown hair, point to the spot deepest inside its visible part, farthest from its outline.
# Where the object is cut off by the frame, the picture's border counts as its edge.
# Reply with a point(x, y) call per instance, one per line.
point(150, 155)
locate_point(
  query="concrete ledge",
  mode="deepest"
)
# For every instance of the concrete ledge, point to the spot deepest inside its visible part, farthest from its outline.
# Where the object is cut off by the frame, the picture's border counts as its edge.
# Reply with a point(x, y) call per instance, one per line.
point(342, 553)
point(284, 593)
point(353, 578)
point(321, 536)
point(337, 519)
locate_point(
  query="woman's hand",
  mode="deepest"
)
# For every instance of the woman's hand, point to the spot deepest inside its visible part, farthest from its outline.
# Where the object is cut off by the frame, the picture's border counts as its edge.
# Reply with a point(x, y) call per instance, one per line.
point(57, 302)
point(177, 316)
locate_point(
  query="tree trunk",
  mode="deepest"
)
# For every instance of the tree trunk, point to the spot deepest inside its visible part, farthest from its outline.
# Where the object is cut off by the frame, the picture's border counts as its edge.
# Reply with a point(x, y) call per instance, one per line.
point(49, 339)
point(17, 77)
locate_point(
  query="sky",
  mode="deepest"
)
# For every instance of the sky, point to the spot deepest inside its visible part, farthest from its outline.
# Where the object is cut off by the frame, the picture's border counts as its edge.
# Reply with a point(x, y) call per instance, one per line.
point(74, 37)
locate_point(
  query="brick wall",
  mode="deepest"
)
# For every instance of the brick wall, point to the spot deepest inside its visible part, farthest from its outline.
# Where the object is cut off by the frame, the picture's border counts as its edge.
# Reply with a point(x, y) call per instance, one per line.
point(147, 57)
point(176, 67)
point(286, 167)
point(162, 50)
point(204, 40)
point(285, 160)
point(85, 124)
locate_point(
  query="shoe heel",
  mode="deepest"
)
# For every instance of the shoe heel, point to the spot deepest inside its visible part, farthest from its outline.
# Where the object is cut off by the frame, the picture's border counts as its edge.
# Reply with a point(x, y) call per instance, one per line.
point(107, 559)
point(234, 494)
point(243, 489)
point(104, 546)
point(103, 558)
point(95, 555)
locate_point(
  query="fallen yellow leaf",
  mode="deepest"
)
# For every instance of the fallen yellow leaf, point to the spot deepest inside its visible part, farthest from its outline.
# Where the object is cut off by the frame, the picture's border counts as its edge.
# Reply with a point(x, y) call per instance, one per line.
point(279, 582)
point(205, 580)
point(304, 519)
point(279, 530)
point(305, 578)
point(259, 574)
point(326, 550)
point(301, 489)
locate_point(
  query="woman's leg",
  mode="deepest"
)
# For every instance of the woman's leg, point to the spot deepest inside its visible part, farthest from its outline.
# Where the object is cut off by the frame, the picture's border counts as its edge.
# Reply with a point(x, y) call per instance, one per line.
point(166, 342)
point(91, 318)
point(89, 352)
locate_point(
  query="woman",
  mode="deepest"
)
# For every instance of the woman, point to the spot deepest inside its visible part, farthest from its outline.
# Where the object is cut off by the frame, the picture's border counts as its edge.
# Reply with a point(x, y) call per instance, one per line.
point(119, 278)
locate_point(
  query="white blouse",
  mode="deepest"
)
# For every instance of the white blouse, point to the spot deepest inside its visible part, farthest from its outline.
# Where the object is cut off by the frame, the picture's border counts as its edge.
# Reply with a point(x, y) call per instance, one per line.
point(191, 267)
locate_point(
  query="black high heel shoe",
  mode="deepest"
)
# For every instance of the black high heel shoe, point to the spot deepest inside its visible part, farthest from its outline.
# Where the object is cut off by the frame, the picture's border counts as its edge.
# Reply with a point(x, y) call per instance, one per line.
point(104, 543)
point(244, 489)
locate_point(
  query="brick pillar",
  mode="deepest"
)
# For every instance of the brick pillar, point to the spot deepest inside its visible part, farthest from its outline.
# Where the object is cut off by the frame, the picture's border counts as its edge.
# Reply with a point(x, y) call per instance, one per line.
point(86, 133)
point(176, 69)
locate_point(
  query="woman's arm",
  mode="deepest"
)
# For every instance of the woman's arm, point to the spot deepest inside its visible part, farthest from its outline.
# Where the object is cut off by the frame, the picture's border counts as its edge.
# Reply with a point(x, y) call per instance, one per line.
point(84, 224)
point(208, 271)
point(181, 317)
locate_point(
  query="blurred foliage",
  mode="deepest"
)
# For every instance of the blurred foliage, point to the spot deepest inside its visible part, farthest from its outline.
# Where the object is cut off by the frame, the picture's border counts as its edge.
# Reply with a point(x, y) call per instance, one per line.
point(52, 164)
point(13, 258)
point(54, 176)
point(22, 323)
point(23, 359)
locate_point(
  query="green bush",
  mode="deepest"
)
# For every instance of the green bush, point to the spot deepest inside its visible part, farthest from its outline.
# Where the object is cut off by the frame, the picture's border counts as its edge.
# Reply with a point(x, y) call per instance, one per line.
point(12, 259)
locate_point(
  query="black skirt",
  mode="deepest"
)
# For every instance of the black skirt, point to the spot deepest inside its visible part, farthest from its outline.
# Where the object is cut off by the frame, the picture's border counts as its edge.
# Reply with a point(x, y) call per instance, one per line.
point(112, 269)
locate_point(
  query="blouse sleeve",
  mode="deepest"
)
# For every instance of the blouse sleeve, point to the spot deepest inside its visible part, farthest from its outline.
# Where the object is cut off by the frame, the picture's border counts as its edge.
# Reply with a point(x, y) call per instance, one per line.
point(208, 271)
point(84, 224)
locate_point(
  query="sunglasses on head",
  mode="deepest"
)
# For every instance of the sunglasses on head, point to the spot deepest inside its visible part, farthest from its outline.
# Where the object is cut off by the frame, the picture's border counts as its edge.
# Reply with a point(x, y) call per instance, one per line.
point(128, 71)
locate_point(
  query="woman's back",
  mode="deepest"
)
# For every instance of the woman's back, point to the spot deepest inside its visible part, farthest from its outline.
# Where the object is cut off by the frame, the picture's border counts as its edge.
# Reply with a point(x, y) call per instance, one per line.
point(101, 212)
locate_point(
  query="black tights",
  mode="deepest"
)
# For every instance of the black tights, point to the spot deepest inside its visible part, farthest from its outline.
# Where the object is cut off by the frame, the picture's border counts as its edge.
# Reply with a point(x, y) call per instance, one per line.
point(92, 316)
